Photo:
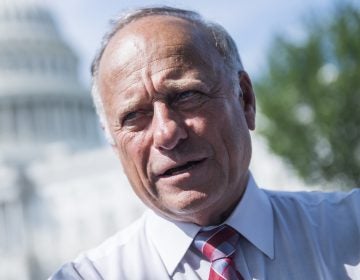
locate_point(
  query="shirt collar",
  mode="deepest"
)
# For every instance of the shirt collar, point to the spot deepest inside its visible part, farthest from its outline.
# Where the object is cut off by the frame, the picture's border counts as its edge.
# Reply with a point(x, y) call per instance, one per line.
point(172, 239)
point(252, 218)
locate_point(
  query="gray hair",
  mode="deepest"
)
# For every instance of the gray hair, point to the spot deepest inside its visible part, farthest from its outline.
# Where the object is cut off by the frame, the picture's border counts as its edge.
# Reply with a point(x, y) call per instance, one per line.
point(222, 41)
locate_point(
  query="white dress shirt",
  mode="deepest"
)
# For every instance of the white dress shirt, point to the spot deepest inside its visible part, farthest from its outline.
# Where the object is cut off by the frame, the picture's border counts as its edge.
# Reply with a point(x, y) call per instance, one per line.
point(284, 235)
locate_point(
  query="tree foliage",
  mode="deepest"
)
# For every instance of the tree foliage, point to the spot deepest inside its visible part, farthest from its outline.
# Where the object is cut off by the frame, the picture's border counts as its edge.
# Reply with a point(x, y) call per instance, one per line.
point(310, 99)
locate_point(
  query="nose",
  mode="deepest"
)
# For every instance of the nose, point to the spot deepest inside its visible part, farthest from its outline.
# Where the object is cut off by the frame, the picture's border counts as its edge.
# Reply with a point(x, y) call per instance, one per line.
point(168, 127)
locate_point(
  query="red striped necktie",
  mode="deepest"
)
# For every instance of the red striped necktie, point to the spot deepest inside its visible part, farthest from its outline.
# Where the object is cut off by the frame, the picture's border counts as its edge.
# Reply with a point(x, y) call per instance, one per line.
point(218, 247)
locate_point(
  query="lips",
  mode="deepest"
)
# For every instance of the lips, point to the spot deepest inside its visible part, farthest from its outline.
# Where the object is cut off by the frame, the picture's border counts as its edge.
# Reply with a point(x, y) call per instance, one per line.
point(181, 168)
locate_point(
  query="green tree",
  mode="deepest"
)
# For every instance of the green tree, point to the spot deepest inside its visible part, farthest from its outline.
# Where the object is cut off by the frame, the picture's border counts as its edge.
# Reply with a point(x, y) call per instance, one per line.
point(309, 97)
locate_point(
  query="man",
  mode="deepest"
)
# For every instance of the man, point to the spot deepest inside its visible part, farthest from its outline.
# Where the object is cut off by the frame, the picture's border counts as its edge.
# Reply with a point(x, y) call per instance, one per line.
point(177, 107)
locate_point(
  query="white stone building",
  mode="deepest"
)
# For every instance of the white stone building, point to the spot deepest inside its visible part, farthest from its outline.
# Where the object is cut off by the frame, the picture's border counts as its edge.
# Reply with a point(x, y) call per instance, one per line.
point(61, 189)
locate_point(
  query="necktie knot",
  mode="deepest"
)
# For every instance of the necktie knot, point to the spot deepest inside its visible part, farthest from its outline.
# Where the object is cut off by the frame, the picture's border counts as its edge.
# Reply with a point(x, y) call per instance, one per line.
point(218, 246)
point(217, 243)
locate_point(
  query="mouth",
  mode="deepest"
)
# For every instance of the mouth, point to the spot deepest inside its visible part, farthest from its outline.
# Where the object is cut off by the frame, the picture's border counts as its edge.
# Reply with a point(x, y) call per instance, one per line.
point(182, 168)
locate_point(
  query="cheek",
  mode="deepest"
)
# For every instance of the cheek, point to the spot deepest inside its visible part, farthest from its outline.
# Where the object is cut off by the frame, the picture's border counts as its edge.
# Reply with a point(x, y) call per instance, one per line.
point(197, 125)
point(239, 148)
point(133, 151)
point(229, 136)
point(205, 121)
point(211, 130)
point(130, 145)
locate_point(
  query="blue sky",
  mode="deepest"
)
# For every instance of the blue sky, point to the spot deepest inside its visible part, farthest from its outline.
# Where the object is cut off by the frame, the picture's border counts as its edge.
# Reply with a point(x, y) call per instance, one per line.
point(252, 23)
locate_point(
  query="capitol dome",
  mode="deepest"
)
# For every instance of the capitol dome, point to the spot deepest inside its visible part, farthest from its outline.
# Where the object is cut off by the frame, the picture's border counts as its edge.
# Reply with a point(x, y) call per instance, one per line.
point(41, 99)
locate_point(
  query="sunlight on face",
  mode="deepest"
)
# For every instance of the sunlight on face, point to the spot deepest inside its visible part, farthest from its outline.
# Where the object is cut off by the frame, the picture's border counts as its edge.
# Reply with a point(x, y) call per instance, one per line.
point(178, 124)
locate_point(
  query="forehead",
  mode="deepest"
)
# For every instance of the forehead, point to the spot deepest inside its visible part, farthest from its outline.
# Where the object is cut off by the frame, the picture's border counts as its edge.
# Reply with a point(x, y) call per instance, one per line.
point(156, 56)
point(163, 29)
point(154, 37)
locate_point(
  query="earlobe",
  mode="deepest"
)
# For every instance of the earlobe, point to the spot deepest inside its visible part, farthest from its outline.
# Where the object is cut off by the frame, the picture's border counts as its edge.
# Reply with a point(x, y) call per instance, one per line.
point(248, 99)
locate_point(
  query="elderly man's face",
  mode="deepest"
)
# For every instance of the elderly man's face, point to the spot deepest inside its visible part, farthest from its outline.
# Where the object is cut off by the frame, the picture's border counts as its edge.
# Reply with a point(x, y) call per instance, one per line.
point(179, 125)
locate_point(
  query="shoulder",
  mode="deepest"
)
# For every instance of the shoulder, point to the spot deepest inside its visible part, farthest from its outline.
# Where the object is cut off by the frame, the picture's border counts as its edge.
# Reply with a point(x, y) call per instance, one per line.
point(321, 224)
point(339, 210)
point(94, 263)
point(316, 198)
point(125, 237)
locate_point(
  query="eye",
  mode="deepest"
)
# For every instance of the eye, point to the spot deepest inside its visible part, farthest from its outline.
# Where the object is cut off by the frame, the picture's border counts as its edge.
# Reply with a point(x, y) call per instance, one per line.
point(190, 99)
point(130, 116)
point(136, 118)
point(186, 94)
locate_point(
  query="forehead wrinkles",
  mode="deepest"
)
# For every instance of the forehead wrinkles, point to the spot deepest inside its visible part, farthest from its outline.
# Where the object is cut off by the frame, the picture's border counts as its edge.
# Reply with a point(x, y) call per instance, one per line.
point(154, 45)
point(167, 62)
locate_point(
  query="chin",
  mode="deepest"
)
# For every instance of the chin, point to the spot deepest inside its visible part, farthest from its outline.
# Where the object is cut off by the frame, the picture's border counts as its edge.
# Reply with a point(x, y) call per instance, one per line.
point(190, 209)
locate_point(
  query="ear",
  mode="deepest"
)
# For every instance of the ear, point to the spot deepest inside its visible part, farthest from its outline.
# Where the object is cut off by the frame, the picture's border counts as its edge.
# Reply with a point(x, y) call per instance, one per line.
point(247, 99)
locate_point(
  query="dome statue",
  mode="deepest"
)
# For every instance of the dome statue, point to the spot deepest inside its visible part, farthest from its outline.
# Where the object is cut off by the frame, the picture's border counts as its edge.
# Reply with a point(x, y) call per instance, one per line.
point(42, 101)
